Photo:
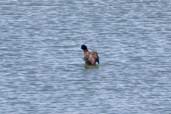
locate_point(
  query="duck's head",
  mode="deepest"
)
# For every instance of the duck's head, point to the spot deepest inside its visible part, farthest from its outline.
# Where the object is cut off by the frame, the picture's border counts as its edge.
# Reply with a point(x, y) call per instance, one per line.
point(84, 47)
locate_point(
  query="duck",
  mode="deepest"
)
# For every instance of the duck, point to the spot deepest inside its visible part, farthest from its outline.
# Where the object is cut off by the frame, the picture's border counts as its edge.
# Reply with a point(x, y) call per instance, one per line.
point(90, 57)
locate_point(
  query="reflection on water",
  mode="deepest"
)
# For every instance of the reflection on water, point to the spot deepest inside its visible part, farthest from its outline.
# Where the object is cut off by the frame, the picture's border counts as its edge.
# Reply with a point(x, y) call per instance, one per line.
point(41, 66)
point(91, 66)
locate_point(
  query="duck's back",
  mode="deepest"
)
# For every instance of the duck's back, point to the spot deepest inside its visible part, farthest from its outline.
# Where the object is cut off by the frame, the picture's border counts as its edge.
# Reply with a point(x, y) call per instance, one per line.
point(95, 56)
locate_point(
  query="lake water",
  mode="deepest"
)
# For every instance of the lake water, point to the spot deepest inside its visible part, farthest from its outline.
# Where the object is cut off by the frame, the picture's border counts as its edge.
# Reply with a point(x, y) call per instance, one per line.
point(41, 65)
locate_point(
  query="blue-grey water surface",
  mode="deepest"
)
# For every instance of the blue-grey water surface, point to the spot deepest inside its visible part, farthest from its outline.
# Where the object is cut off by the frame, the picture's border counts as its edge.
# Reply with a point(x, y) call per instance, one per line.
point(41, 65)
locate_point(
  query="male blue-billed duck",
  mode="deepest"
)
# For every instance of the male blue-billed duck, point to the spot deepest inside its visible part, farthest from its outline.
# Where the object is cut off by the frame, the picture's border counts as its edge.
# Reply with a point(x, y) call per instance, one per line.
point(90, 57)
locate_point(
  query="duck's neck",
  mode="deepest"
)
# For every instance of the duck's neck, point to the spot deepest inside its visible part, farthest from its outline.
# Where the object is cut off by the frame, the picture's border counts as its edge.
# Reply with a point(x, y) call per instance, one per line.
point(86, 52)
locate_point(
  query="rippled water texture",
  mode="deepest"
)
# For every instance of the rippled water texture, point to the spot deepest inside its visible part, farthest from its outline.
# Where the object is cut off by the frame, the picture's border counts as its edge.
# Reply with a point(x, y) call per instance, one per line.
point(41, 65)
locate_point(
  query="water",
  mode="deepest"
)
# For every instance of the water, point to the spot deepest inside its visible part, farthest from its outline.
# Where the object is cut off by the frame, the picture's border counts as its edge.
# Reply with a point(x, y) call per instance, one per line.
point(41, 66)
